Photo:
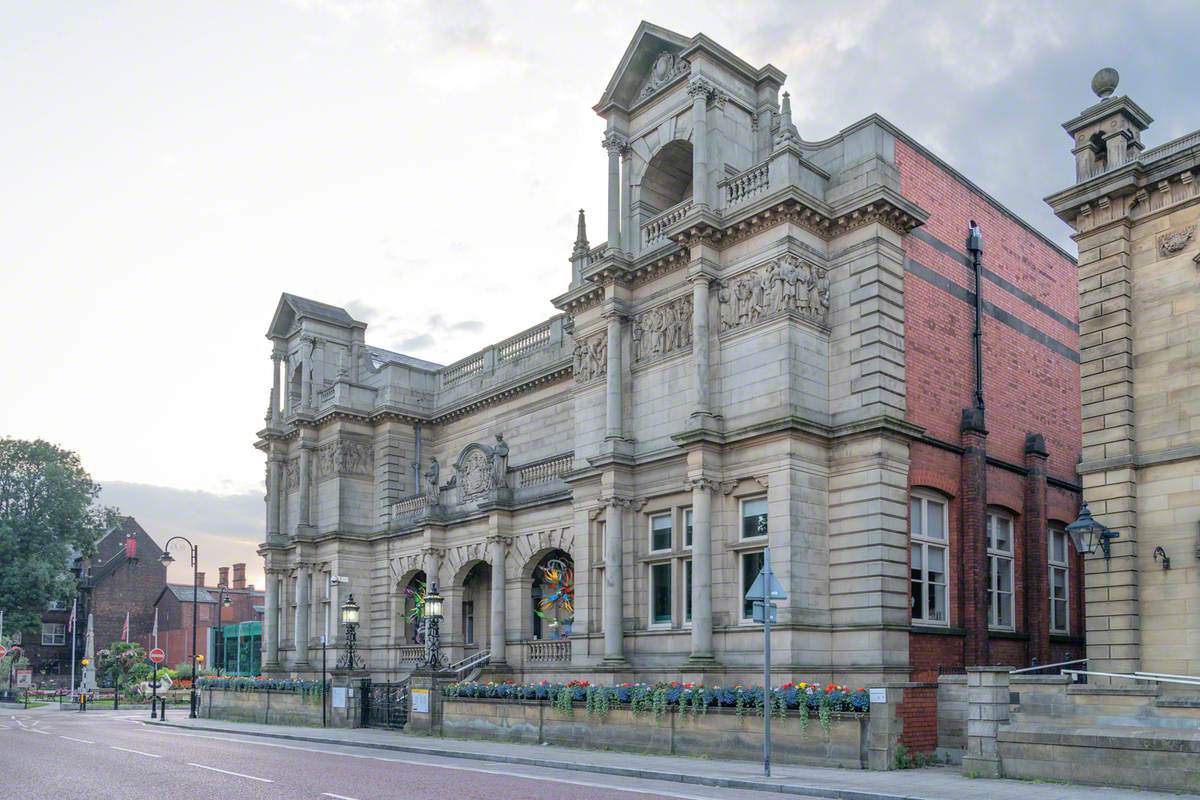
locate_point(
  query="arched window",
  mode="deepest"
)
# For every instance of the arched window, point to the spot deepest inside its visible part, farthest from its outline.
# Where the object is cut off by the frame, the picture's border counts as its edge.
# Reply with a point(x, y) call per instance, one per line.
point(668, 177)
point(929, 532)
point(553, 596)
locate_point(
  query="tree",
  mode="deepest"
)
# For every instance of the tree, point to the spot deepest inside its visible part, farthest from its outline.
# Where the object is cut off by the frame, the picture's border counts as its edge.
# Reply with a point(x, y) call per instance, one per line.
point(13, 660)
point(120, 662)
point(48, 514)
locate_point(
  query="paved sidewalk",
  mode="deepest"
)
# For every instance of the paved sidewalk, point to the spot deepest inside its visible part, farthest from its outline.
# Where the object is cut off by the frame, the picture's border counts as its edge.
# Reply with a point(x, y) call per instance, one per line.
point(932, 783)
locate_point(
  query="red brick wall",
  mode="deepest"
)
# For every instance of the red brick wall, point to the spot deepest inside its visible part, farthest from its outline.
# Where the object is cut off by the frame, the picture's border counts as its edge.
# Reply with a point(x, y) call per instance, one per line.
point(918, 710)
point(1028, 385)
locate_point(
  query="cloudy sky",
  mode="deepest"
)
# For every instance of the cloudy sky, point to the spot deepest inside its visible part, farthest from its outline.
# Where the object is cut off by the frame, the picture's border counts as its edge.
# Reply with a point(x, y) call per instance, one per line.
point(168, 168)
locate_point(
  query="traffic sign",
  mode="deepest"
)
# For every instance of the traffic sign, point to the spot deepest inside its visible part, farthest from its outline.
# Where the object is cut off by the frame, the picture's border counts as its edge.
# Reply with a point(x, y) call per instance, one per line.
point(758, 612)
point(3, 651)
point(756, 588)
point(157, 656)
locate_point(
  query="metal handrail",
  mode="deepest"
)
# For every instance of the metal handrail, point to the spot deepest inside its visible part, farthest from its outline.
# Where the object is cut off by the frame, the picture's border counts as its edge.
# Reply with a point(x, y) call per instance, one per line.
point(1133, 677)
point(1169, 675)
point(470, 662)
point(1048, 666)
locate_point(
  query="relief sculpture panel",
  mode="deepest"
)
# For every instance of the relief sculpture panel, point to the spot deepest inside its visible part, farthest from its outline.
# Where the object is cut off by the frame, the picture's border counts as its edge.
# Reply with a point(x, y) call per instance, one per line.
point(348, 457)
point(591, 357)
point(662, 330)
point(787, 284)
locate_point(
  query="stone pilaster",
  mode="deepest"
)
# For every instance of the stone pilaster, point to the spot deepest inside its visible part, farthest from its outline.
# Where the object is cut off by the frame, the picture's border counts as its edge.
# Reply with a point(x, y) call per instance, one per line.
point(303, 574)
point(274, 491)
point(614, 584)
point(271, 622)
point(305, 479)
point(498, 553)
point(700, 91)
point(278, 353)
point(973, 535)
point(1037, 579)
point(613, 387)
point(615, 144)
point(702, 623)
point(987, 710)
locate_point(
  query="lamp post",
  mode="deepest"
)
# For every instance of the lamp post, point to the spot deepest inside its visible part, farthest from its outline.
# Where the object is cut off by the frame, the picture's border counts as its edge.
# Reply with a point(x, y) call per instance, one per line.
point(83, 695)
point(349, 615)
point(166, 559)
point(433, 618)
point(223, 601)
point(1087, 534)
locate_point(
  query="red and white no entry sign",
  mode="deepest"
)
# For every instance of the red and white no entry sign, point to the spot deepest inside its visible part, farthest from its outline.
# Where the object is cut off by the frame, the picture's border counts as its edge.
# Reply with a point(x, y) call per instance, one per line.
point(157, 656)
point(3, 651)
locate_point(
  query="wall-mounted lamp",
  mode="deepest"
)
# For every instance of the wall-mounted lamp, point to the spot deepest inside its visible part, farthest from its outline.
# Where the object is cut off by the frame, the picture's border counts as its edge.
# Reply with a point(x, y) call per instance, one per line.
point(1087, 534)
point(1166, 559)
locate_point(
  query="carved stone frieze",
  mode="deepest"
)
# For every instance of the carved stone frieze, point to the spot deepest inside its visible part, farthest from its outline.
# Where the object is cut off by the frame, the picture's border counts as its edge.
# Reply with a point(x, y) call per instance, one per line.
point(591, 357)
point(788, 284)
point(662, 330)
point(667, 67)
point(346, 457)
point(293, 474)
point(1171, 243)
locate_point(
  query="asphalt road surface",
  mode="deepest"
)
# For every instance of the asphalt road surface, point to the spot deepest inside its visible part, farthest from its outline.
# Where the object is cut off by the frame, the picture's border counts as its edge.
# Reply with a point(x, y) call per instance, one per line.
point(48, 754)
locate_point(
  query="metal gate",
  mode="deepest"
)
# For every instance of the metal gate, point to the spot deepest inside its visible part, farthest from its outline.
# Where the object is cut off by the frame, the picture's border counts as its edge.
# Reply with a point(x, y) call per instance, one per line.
point(385, 705)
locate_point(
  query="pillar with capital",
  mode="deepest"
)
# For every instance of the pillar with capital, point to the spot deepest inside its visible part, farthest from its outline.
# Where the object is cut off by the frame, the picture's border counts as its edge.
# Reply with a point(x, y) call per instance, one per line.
point(616, 145)
point(700, 90)
point(614, 589)
point(304, 469)
point(498, 552)
point(271, 622)
point(278, 353)
point(274, 490)
point(613, 427)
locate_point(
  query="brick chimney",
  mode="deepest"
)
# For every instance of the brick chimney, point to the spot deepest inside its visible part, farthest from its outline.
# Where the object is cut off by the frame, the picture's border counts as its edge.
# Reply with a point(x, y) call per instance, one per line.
point(239, 576)
point(224, 579)
point(199, 578)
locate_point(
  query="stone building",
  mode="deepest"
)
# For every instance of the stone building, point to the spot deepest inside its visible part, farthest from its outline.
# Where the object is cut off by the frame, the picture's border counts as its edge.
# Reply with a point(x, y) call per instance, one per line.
point(1135, 213)
point(773, 346)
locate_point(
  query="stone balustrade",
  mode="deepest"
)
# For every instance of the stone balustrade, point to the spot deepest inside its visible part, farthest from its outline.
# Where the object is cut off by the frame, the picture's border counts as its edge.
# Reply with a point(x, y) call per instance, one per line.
point(542, 652)
point(741, 187)
point(545, 471)
point(654, 232)
point(411, 655)
point(524, 342)
point(462, 369)
point(597, 254)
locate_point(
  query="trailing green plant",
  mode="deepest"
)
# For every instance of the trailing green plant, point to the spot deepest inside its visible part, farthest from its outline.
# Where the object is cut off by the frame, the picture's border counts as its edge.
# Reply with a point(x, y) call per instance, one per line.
point(564, 701)
point(658, 702)
point(825, 714)
point(803, 718)
point(739, 702)
point(599, 701)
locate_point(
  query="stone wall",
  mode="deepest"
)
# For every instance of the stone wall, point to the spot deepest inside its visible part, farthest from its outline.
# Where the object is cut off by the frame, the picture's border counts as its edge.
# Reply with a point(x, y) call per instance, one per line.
point(265, 707)
point(719, 734)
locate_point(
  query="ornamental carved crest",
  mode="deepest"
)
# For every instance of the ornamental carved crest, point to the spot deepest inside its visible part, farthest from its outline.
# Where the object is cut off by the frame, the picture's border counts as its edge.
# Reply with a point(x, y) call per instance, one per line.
point(1171, 243)
point(667, 67)
point(474, 473)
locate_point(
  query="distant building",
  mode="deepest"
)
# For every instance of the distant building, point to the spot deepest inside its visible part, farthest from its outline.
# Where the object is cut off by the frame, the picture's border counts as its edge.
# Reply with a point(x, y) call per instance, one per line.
point(238, 603)
point(123, 577)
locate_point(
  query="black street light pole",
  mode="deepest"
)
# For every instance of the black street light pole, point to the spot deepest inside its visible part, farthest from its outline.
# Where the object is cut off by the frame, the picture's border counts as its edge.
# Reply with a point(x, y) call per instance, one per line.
point(166, 558)
point(223, 601)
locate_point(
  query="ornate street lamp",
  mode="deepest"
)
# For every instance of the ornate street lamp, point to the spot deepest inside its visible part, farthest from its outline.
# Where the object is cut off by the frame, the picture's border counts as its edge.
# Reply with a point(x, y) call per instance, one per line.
point(433, 618)
point(223, 601)
point(349, 615)
point(1087, 534)
point(167, 560)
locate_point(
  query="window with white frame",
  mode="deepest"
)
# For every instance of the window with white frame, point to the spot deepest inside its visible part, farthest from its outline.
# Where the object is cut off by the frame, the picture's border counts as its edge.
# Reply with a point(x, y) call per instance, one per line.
point(54, 633)
point(1060, 580)
point(660, 532)
point(687, 527)
point(660, 593)
point(754, 517)
point(1000, 569)
point(929, 535)
point(752, 564)
point(468, 621)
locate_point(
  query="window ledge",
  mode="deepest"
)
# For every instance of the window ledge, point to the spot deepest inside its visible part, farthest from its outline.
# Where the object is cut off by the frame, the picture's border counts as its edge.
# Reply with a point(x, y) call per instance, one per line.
point(995, 633)
point(1066, 638)
point(937, 630)
point(757, 543)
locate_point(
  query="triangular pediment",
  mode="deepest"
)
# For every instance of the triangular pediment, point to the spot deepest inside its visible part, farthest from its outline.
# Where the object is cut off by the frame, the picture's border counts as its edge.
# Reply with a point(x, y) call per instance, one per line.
point(292, 309)
point(651, 58)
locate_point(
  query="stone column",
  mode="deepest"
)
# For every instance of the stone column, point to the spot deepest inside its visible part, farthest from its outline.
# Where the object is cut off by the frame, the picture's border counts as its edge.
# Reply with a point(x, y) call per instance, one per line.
point(301, 635)
point(614, 143)
point(987, 710)
point(614, 589)
point(974, 538)
point(1037, 578)
point(303, 469)
point(270, 622)
point(276, 357)
point(700, 379)
point(274, 489)
point(497, 548)
point(628, 230)
point(700, 90)
point(613, 427)
point(702, 490)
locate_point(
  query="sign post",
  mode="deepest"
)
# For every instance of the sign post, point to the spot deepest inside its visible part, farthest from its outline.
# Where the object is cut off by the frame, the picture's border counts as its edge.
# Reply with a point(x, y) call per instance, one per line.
point(156, 656)
point(765, 589)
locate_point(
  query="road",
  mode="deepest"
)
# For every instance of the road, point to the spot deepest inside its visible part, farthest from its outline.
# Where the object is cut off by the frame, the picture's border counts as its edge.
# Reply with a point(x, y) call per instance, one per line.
point(48, 754)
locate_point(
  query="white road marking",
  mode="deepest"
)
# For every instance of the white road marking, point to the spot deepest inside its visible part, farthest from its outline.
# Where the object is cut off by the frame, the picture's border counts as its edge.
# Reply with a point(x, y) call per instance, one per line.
point(336, 796)
point(227, 772)
point(36, 730)
point(73, 739)
point(509, 774)
point(139, 752)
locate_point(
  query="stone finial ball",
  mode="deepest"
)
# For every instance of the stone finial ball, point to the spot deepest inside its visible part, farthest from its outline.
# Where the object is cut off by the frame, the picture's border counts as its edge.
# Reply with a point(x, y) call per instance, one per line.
point(1104, 82)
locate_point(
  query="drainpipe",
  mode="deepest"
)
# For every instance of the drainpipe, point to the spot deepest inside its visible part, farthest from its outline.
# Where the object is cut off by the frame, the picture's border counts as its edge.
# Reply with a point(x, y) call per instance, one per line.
point(975, 248)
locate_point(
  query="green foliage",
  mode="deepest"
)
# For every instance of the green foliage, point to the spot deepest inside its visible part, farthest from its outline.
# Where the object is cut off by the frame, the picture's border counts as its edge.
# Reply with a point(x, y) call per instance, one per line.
point(658, 701)
point(119, 663)
point(47, 512)
point(904, 759)
point(564, 701)
point(825, 714)
point(599, 700)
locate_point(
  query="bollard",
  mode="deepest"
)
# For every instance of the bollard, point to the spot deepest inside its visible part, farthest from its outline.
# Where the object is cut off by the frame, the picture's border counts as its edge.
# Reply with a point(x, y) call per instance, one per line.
point(162, 711)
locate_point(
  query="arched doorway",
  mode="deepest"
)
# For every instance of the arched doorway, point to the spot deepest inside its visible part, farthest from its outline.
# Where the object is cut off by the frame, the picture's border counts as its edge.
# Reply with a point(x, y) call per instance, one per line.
point(667, 180)
point(552, 596)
